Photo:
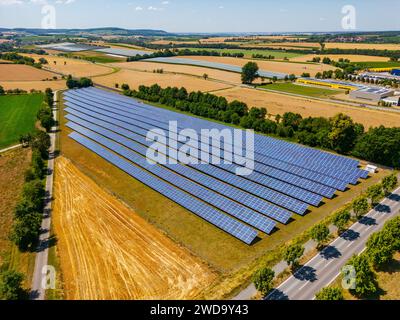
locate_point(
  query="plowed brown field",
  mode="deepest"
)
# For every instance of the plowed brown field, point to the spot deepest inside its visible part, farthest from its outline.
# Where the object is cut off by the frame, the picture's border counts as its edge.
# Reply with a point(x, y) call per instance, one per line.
point(109, 252)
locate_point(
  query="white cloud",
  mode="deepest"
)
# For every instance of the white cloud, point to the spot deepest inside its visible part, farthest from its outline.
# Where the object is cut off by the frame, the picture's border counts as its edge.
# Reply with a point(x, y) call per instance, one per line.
point(221, 7)
point(165, 3)
point(10, 2)
point(65, 1)
point(138, 8)
point(151, 8)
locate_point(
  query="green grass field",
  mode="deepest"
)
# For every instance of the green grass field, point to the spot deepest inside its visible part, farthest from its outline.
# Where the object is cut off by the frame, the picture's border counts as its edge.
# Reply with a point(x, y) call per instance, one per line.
point(378, 64)
point(302, 90)
point(248, 53)
point(17, 117)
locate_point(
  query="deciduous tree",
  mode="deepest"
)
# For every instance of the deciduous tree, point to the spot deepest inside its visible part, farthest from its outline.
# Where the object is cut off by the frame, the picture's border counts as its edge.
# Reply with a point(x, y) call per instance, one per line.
point(263, 280)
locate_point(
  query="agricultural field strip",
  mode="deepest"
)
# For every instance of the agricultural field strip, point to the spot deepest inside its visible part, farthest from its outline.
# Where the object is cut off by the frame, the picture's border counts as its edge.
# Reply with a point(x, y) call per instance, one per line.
point(147, 123)
point(233, 208)
point(213, 216)
point(311, 159)
point(213, 65)
point(278, 200)
point(142, 127)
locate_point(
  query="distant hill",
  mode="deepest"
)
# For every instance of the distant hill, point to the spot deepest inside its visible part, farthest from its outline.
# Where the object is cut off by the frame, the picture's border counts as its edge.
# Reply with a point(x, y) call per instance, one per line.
point(97, 31)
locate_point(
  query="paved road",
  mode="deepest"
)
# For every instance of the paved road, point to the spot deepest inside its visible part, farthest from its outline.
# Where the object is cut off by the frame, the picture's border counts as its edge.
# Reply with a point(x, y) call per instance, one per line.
point(38, 291)
point(324, 268)
point(11, 148)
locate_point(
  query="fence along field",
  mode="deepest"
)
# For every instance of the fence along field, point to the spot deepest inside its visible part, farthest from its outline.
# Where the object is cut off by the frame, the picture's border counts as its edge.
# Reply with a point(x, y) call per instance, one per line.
point(108, 252)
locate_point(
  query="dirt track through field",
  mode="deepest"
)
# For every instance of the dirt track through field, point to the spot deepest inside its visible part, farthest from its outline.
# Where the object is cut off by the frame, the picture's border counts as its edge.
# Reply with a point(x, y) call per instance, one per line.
point(109, 252)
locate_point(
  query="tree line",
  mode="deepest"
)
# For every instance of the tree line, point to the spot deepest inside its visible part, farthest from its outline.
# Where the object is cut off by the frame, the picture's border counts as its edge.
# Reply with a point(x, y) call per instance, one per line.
point(18, 59)
point(184, 52)
point(78, 83)
point(339, 133)
point(28, 213)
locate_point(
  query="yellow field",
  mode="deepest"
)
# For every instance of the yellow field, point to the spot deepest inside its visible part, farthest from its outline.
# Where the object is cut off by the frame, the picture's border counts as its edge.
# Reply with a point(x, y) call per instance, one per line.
point(21, 72)
point(74, 67)
point(377, 46)
point(329, 45)
point(274, 66)
point(197, 71)
point(279, 104)
point(108, 252)
point(336, 57)
point(137, 78)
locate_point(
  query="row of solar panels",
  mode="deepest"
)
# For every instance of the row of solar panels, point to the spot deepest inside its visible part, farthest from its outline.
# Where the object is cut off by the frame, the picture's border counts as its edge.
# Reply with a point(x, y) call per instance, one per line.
point(338, 167)
point(214, 65)
point(121, 125)
point(263, 164)
point(267, 149)
point(208, 213)
point(275, 200)
point(306, 197)
point(142, 128)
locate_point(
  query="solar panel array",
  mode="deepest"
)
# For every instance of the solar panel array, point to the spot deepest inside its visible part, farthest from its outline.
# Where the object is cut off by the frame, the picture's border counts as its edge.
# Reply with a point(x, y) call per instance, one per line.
point(214, 65)
point(224, 222)
point(288, 178)
point(124, 52)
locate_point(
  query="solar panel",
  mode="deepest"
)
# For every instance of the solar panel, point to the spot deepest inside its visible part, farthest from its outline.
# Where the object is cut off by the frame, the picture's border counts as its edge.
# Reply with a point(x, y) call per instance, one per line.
point(213, 216)
point(214, 65)
point(281, 186)
point(206, 180)
point(307, 152)
point(233, 208)
point(148, 123)
point(268, 194)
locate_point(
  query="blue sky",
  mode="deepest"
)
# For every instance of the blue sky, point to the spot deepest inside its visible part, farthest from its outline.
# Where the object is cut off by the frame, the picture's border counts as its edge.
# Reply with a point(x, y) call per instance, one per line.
point(205, 15)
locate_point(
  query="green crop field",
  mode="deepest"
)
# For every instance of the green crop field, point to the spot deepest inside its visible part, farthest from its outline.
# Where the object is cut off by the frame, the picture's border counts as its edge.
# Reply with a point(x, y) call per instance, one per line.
point(17, 116)
point(378, 64)
point(302, 90)
point(248, 53)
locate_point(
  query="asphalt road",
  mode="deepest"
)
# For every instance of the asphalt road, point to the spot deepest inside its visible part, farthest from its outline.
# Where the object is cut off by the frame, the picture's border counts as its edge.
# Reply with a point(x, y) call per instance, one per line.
point(40, 274)
point(326, 266)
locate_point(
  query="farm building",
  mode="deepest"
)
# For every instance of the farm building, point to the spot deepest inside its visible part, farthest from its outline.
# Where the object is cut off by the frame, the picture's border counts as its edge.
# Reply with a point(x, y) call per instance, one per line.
point(333, 84)
point(379, 76)
point(394, 100)
point(396, 72)
point(374, 94)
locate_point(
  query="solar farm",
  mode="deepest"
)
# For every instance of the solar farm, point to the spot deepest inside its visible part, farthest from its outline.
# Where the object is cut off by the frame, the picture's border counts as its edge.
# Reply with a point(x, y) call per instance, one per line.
point(214, 65)
point(289, 180)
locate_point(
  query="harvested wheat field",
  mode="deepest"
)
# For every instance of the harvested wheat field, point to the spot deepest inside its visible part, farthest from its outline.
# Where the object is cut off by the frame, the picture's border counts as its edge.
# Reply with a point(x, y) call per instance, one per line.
point(36, 85)
point(74, 67)
point(182, 69)
point(331, 45)
point(336, 57)
point(274, 66)
point(137, 78)
point(21, 72)
point(279, 104)
point(376, 46)
point(109, 252)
